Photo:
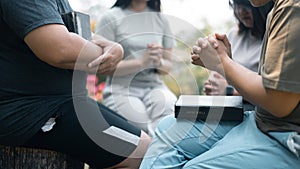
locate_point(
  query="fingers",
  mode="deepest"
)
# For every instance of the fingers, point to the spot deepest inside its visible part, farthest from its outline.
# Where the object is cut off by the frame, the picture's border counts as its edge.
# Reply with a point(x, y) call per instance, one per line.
point(97, 61)
point(113, 53)
point(195, 57)
point(211, 90)
point(207, 89)
point(224, 39)
point(196, 60)
point(202, 43)
point(155, 60)
point(101, 43)
point(104, 64)
point(213, 41)
point(108, 65)
point(226, 42)
point(217, 75)
point(155, 52)
point(220, 37)
point(196, 50)
point(199, 63)
point(154, 46)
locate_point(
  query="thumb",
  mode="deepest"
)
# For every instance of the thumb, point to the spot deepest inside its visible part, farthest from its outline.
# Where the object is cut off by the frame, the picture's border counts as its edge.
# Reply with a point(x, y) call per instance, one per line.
point(217, 75)
point(101, 43)
point(224, 39)
point(97, 61)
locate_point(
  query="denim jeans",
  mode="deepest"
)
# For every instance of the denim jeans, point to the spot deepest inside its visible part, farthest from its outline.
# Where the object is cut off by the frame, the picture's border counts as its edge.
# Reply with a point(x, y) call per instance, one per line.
point(225, 145)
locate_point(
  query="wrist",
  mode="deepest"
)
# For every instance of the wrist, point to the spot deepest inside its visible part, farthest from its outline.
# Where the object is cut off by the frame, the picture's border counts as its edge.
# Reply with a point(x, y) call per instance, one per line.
point(161, 62)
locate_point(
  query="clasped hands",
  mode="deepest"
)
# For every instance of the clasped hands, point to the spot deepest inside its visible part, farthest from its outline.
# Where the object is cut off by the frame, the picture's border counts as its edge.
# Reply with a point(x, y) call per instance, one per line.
point(106, 63)
point(215, 84)
point(211, 51)
point(113, 53)
point(208, 52)
point(153, 56)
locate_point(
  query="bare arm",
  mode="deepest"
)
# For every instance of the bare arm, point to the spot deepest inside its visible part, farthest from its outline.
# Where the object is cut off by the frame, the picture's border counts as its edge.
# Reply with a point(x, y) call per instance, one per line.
point(279, 103)
point(237, 75)
point(166, 62)
point(153, 57)
point(112, 55)
point(55, 45)
point(215, 84)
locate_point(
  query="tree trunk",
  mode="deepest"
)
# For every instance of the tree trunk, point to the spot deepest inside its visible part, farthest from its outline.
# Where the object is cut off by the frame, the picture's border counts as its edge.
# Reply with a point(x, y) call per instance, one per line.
point(28, 158)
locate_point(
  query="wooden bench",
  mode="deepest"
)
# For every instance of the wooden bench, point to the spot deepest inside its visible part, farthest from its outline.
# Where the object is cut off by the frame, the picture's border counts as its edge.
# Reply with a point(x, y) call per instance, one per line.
point(28, 158)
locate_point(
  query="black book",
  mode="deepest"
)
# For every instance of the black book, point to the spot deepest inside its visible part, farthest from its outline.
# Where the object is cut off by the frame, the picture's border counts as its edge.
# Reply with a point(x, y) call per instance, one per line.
point(79, 23)
point(206, 108)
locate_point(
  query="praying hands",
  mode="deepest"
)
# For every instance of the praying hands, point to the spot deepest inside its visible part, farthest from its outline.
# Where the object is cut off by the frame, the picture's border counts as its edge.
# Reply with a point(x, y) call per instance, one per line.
point(210, 52)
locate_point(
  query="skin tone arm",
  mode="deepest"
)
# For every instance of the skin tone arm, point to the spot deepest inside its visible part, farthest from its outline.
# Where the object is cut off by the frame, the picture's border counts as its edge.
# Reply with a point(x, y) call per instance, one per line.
point(165, 65)
point(215, 55)
point(154, 56)
point(216, 85)
point(55, 45)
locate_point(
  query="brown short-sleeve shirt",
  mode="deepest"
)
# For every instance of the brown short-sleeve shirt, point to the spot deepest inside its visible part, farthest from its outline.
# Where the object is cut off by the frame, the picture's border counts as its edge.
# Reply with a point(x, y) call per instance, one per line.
point(280, 62)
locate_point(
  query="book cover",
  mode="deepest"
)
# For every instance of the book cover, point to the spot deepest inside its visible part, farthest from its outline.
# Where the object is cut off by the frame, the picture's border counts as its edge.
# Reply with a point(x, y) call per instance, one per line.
point(79, 23)
point(200, 107)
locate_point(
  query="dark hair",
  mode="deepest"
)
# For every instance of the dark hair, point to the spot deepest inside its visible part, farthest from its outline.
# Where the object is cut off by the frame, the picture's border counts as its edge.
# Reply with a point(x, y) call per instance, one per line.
point(153, 4)
point(259, 17)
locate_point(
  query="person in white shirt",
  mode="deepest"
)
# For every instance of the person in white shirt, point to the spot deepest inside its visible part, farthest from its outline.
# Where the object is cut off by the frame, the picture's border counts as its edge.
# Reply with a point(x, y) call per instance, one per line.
point(136, 90)
point(246, 40)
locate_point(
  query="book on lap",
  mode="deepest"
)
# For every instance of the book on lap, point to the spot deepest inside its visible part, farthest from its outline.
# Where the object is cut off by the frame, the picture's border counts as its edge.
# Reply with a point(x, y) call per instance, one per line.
point(206, 108)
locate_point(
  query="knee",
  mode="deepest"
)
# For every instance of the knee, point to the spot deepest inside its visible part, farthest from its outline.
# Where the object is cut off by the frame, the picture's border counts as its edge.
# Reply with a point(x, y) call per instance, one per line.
point(165, 123)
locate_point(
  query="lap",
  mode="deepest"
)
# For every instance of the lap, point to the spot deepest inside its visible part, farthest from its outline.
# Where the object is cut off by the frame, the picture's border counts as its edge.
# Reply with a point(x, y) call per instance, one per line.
point(245, 146)
point(89, 131)
point(192, 138)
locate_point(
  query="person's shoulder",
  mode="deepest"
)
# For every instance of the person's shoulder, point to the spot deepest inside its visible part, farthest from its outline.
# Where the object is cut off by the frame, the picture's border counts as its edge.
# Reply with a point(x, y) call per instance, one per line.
point(113, 13)
point(286, 7)
point(115, 10)
point(286, 3)
point(163, 17)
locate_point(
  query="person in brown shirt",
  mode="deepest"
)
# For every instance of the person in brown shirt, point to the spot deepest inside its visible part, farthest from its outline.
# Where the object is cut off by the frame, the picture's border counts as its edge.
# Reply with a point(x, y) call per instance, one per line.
point(268, 137)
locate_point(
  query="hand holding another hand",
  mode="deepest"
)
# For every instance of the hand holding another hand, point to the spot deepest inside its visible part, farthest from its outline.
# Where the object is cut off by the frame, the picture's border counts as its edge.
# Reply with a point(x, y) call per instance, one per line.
point(215, 84)
point(107, 62)
point(153, 55)
point(209, 52)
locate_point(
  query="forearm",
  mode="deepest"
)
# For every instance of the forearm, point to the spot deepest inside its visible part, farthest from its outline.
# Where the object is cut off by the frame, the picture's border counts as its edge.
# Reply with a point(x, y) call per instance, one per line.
point(129, 66)
point(165, 68)
point(78, 53)
point(132, 66)
point(249, 84)
point(166, 62)
point(56, 46)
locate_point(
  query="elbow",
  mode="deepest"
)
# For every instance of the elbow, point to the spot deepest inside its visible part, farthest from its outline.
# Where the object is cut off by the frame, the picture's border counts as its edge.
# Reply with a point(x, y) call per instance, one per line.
point(281, 113)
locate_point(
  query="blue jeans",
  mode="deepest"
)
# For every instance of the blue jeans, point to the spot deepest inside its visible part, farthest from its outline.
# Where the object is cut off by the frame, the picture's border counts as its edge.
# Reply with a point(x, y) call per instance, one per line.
point(227, 145)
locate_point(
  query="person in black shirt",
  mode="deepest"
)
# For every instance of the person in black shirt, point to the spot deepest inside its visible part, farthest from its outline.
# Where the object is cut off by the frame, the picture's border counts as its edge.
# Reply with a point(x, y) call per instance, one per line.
point(43, 99)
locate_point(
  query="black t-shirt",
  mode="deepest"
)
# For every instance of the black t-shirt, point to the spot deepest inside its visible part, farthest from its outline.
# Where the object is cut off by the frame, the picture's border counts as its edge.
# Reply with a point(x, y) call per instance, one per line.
point(30, 89)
